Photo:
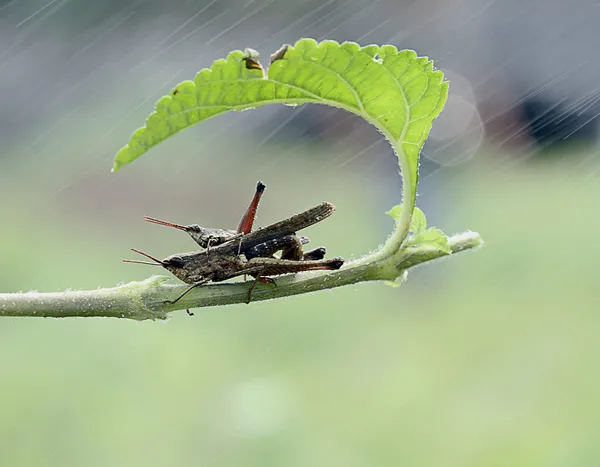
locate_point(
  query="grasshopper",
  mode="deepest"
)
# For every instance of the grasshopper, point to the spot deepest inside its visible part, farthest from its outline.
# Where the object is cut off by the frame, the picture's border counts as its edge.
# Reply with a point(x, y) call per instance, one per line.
point(250, 254)
point(207, 237)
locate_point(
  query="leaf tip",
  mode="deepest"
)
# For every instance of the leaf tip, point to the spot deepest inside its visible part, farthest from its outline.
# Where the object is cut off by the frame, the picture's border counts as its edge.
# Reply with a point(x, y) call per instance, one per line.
point(119, 160)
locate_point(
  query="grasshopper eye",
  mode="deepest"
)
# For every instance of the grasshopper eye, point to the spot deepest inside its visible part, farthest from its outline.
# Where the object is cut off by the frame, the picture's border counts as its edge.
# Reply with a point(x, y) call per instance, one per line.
point(174, 261)
point(194, 228)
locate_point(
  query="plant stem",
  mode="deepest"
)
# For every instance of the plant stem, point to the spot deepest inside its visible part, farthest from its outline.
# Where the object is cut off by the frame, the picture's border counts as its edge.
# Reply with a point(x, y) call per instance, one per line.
point(147, 299)
point(408, 202)
point(116, 302)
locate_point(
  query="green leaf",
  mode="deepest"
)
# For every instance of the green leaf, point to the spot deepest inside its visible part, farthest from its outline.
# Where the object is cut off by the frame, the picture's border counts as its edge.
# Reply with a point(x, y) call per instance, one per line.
point(432, 237)
point(418, 222)
point(395, 212)
point(396, 91)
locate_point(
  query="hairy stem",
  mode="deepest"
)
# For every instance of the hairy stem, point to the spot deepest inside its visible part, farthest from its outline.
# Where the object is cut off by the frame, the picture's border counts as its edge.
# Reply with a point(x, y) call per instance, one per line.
point(147, 299)
point(408, 204)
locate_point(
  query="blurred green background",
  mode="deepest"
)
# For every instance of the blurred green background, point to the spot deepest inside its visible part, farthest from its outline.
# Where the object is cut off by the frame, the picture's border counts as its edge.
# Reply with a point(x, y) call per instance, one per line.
point(486, 358)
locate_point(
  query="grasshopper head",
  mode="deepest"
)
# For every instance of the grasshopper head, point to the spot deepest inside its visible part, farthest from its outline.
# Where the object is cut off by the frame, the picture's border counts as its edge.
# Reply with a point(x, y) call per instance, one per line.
point(184, 266)
point(188, 267)
point(205, 236)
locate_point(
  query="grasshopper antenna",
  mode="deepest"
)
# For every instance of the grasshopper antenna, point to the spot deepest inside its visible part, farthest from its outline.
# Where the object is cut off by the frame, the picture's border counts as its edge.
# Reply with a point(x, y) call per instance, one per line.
point(247, 220)
point(168, 224)
point(157, 262)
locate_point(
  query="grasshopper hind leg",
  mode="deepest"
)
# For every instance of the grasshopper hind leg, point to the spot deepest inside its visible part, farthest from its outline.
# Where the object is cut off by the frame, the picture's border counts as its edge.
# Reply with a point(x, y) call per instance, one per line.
point(289, 245)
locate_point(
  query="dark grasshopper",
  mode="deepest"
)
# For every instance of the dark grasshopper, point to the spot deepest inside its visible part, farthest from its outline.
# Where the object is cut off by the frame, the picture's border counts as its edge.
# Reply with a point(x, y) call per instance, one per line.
point(230, 259)
point(207, 237)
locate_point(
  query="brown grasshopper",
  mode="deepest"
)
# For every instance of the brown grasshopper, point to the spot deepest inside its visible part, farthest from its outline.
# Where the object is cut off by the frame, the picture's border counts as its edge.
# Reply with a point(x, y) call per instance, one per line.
point(207, 237)
point(230, 259)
